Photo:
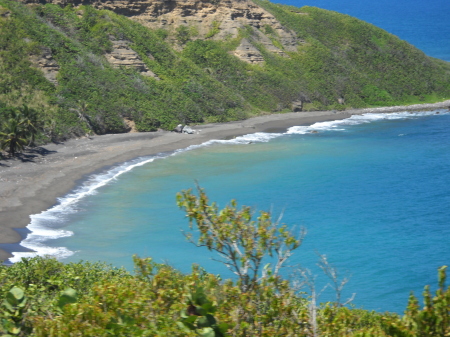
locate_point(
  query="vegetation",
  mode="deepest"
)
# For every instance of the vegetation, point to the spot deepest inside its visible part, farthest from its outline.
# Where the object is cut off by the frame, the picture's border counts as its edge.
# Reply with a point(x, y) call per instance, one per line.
point(240, 241)
point(341, 63)
point(18, 127)
point(358, 61)
point(78, 44)
point(44, 297)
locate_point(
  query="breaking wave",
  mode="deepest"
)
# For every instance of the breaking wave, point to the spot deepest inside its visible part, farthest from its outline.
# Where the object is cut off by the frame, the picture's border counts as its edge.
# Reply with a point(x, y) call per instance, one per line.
point(49, 224)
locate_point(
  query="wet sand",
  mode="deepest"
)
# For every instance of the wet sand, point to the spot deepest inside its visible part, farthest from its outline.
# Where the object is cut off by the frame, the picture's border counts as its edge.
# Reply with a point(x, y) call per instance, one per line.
point(32, 182)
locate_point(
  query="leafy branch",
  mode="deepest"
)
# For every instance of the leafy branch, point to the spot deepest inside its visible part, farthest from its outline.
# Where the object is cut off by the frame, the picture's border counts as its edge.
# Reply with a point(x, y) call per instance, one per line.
point(241, 241)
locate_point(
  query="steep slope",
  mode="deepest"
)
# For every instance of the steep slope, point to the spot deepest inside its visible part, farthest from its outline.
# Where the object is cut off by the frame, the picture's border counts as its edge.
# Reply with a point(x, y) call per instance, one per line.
point(87, 68)
point(216, 19)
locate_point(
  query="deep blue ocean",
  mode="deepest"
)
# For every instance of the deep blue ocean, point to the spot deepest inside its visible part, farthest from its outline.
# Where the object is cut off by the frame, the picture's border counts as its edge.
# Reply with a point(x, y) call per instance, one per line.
point(372, 191)
point(423, 23)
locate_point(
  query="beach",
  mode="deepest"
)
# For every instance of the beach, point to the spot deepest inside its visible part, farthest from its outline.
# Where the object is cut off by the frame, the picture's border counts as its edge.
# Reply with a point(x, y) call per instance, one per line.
point(32, 183)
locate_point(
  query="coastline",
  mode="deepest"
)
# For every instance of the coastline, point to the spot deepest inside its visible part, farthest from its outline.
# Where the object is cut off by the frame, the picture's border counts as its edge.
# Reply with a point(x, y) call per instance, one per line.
point(32, 184)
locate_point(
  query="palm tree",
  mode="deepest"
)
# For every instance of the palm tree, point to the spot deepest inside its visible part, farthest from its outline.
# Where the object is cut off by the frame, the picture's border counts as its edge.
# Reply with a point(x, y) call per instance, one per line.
point(12, 136)
point(29, 121)
point(81, 110)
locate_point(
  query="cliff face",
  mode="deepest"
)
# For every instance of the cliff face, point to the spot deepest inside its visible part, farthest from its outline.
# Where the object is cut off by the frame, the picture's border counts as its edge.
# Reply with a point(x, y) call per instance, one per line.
point(216, 19)
point(123, 56)
point(45, 62)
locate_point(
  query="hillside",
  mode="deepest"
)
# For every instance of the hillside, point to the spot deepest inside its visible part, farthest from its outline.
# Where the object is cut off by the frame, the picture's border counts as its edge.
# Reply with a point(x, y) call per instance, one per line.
point(96, 67)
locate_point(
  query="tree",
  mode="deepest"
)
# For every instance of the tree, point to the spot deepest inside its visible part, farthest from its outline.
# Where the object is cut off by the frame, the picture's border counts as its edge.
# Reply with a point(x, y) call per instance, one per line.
point(12, 136)
point(30, 123)
point(242, 242)
point(183, 34)
point(434, 319)
point(19, 128)
point(81, 110)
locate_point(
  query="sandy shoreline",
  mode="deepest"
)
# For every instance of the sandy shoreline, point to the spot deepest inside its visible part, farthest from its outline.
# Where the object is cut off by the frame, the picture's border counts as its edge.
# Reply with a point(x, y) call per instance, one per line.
point(33, 183)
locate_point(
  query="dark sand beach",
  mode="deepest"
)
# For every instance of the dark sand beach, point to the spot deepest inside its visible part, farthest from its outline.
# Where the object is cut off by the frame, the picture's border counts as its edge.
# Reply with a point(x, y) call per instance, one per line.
point(32, 183)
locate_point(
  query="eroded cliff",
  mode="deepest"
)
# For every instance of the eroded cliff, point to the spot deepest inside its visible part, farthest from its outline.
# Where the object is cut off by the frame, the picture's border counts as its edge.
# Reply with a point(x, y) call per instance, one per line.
point(214, 19)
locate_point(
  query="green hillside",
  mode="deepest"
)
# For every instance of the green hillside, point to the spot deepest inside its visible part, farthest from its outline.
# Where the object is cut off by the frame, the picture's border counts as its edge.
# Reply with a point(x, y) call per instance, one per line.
point(339, 58)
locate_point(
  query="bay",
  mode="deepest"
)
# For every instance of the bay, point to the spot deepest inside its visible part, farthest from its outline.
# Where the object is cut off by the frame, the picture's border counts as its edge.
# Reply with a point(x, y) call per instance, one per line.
point(372, 192)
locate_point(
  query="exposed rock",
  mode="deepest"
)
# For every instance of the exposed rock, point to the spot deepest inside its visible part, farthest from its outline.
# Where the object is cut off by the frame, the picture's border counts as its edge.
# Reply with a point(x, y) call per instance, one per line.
point(227, 15)
point(248, 53)
point(5, 13)
point(45, 62)
point(259, 37)
point(297, 106)
point(131, 125)
point(123, 56)
point(187, 129)
point(179, 128)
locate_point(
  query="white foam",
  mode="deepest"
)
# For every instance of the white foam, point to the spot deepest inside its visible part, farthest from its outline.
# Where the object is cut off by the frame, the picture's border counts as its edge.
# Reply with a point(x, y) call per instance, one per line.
point(45, 225)
point(340, 125)
point(258, 137)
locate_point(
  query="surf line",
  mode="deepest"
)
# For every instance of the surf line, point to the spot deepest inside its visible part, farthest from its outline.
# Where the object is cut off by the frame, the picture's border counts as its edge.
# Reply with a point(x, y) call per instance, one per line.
point(48, 224)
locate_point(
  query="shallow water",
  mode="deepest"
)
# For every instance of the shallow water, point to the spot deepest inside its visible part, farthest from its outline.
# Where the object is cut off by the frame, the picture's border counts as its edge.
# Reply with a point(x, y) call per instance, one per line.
point(372, 192)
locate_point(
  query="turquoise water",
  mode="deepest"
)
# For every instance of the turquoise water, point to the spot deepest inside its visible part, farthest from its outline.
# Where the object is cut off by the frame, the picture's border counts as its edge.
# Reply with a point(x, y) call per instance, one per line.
point(372, 192)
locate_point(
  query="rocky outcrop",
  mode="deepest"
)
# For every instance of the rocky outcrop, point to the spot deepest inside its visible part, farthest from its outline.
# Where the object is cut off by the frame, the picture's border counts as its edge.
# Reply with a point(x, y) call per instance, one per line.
point(297, 106)
point(4, 13)
point(214, 19)
point(45, 62)
point(248, 53)
point(123, 56)
point(131, 125)
point(267, 42)
point(229, 16)
point(187, 129)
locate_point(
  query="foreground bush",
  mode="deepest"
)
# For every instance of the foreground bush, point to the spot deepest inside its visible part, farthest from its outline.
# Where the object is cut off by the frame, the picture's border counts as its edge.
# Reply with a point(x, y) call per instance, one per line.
point(154, 300)
point(44, 297)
